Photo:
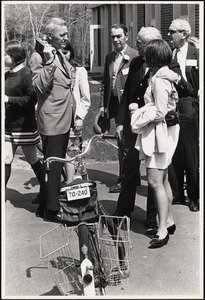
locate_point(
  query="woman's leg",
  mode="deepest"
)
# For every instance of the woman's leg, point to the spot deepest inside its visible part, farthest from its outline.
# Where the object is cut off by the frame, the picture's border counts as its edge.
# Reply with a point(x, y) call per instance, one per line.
point(170, 219)
point(10, 150)
point(70, 170)
point(156, 182)
point(70, 167)
point(30, 153)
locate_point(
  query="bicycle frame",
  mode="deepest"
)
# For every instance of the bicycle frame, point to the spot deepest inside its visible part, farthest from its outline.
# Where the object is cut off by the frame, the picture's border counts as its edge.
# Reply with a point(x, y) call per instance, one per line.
point(85, 238)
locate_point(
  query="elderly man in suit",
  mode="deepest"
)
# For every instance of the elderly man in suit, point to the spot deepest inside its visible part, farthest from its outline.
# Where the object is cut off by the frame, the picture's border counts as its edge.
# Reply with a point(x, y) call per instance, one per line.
point(52, 80)
point(115, 74)
point(186, 157)
point(134, 90)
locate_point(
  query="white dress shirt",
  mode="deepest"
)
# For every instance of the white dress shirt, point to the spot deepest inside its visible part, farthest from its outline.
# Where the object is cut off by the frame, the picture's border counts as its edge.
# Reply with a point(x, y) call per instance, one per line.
point(181, 58)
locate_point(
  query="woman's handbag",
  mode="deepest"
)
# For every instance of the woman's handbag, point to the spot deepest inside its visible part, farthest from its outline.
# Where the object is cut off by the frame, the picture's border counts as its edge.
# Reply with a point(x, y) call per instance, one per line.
point(172, 117)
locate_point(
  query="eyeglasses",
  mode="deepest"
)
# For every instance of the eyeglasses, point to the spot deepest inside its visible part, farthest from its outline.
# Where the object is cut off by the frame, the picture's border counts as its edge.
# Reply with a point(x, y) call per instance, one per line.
point(139, 43)
point(171, 32)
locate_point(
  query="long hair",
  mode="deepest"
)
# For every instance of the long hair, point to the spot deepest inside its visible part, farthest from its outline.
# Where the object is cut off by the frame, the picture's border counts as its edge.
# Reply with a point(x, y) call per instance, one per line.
point(72, 59)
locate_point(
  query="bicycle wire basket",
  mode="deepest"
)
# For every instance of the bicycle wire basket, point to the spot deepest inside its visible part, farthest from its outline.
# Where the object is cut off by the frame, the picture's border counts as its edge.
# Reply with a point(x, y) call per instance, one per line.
point(114, 243)
point(56, 251)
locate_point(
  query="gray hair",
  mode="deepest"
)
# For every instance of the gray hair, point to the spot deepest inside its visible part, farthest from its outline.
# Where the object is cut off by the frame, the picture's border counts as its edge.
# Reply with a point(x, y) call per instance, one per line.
point(149, 33)
point(181, 24)
point(53, 22)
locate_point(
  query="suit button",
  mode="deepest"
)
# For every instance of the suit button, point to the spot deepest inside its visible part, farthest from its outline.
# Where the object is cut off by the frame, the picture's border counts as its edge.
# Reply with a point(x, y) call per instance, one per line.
point(138, 98)
point(140, 84)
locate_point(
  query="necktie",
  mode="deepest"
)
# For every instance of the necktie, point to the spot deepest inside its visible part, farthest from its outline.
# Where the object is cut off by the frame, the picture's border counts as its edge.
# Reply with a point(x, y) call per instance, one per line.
point(175, 55)
point(60, 58)
point(117, 62)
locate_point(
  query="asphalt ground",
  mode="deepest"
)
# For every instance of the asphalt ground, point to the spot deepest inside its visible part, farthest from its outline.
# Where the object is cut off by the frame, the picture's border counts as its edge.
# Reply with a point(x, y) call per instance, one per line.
point(174, 271)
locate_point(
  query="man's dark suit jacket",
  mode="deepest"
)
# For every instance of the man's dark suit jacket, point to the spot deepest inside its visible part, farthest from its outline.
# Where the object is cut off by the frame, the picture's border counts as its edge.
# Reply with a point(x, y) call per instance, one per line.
point(134, 90)
point(122, 74)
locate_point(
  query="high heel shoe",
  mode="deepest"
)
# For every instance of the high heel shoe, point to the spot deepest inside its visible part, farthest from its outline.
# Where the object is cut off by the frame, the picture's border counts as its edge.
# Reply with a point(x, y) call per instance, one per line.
point(156, 242)
point(171, 229)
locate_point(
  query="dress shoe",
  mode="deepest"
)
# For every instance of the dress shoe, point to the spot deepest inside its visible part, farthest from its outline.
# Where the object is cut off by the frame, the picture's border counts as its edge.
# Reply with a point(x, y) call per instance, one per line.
point(36, 200)
point(171, 229)
point(116, 188)
point(52, 216)
point(39, 212)
point(151, 225)
point(151, 230)
point(156, 242)
point(176, 200)
point(194, 206)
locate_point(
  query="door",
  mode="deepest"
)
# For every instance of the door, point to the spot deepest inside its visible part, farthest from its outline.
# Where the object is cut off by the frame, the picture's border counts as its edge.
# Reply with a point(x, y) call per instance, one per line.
point(97, 55)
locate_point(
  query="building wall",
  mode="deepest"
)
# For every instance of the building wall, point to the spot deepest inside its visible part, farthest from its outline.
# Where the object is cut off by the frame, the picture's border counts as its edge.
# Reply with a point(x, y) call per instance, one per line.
point(135, 16)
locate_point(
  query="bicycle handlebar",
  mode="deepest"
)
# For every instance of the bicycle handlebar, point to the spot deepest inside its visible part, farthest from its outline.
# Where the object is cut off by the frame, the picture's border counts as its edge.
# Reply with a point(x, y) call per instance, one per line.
point(48, 160)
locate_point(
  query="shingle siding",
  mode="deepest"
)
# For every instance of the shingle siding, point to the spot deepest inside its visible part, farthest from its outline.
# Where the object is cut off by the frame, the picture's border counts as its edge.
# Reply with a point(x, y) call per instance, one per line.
point(166, 19)
point(140, 16)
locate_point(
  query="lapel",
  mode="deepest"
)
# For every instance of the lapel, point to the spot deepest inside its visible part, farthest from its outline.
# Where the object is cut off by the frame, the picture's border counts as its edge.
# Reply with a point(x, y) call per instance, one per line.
point(190, 55)
point(123, 62)
point(66, 68)
point(111, 63)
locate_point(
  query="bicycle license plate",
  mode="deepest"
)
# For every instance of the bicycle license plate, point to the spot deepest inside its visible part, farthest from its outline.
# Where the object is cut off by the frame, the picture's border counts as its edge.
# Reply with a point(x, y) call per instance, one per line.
point(78, 193)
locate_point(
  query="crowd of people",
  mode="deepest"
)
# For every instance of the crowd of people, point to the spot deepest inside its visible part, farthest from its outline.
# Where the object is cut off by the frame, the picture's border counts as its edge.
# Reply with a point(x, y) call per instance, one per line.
point(151, 92)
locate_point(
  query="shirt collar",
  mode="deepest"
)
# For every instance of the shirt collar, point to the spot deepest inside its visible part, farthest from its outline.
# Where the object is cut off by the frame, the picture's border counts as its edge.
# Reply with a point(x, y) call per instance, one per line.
point(123, 51)
point(17, 68)
point(184, 48)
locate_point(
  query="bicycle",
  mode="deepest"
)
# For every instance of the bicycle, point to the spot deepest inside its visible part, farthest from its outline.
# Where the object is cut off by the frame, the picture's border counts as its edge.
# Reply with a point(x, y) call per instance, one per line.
point(103, 240)
point(79, 165)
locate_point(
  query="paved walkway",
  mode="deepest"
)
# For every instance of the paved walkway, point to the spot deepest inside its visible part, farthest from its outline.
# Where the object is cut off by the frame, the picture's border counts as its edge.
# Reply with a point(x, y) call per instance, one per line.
point(173, 271)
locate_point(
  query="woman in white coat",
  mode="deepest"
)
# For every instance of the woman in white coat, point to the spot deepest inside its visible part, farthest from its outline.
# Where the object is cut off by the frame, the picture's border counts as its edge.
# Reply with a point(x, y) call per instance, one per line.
point(81, 92)
point(156, 140)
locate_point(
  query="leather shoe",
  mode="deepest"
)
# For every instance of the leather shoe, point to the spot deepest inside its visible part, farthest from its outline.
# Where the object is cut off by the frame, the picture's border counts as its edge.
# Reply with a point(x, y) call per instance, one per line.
point(151, 225)
point(151, 230)
point(171, 229)
point(116, 188)
point(156, 242)
point(194, 206)
point(39, 212)
point(36, 200)
point(52, 216)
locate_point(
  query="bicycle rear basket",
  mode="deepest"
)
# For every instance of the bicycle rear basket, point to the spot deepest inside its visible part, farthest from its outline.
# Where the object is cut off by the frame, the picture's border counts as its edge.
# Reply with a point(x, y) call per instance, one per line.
point(114, 242)
point(56, 251)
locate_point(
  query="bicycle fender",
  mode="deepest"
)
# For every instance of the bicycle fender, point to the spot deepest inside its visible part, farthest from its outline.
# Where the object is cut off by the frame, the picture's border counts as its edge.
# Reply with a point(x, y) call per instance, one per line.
point(87, 277)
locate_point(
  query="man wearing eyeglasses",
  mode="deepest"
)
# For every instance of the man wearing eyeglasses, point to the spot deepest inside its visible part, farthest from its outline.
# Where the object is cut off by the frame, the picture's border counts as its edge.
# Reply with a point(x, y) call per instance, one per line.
point(115, 74)
point(186, 157)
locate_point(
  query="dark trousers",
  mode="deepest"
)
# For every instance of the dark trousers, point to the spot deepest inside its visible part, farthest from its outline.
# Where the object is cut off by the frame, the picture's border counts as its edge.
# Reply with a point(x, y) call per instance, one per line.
point(186, 159)
point(53, 146)
point(130, 181)
point(113, 112)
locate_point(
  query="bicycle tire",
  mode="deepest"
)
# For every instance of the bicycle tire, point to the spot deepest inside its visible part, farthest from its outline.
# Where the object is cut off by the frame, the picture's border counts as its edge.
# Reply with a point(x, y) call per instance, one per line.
point(87, 237)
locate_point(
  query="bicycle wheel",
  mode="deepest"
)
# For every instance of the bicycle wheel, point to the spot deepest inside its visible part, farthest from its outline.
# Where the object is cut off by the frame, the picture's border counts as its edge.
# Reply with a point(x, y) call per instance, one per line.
point(89, 249)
